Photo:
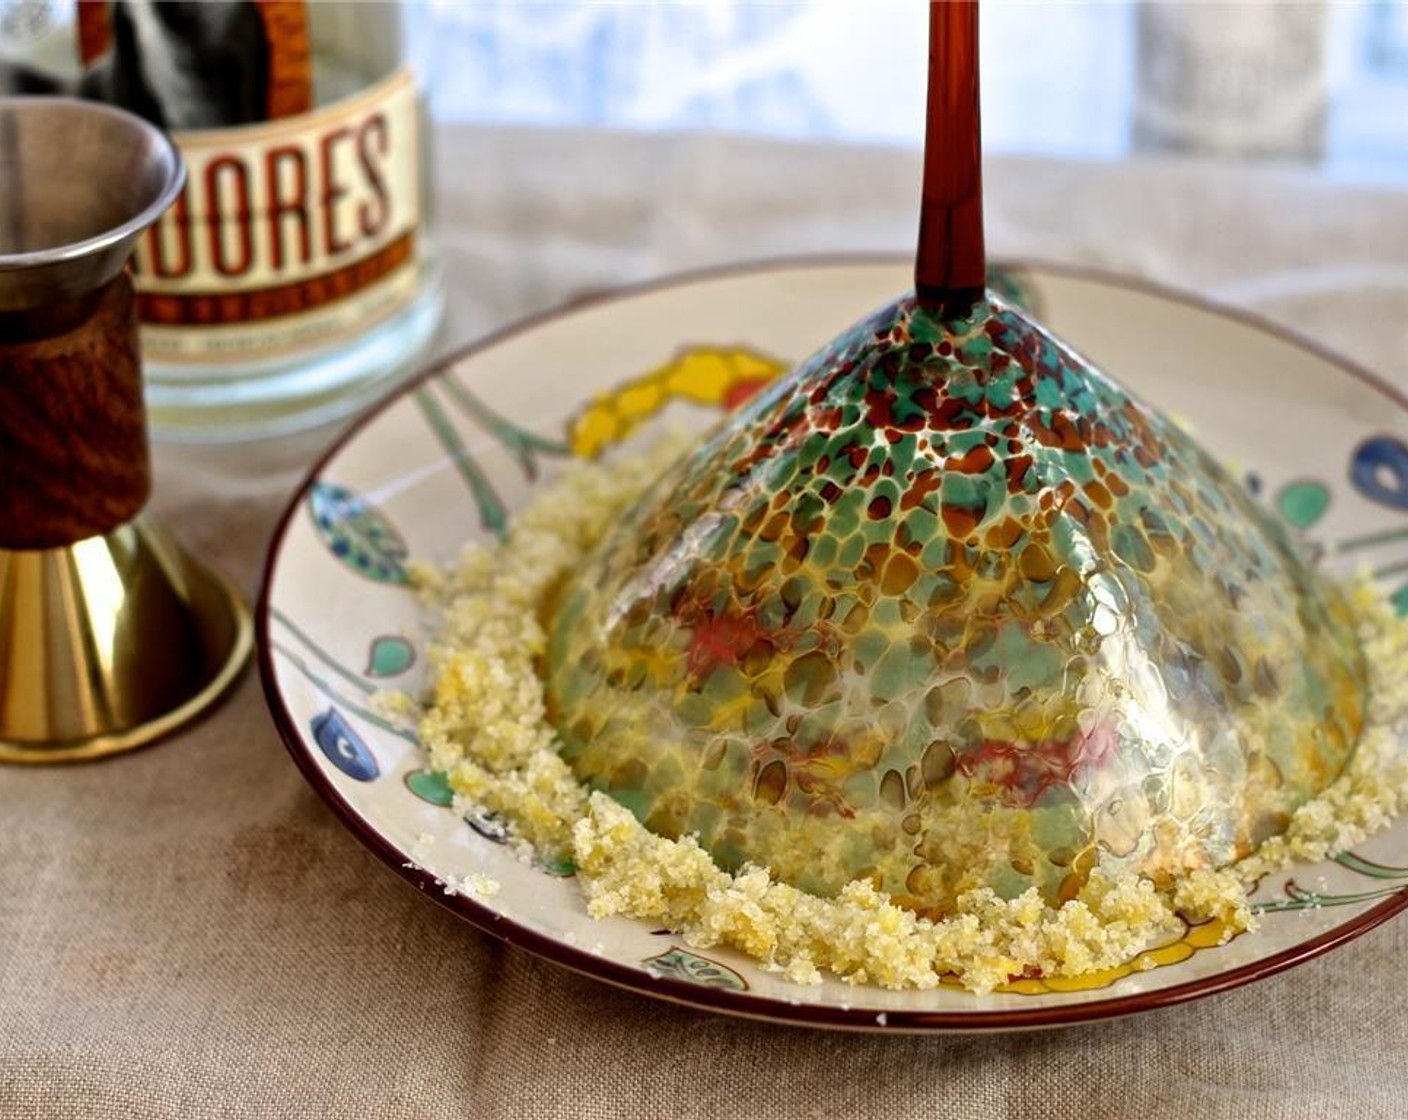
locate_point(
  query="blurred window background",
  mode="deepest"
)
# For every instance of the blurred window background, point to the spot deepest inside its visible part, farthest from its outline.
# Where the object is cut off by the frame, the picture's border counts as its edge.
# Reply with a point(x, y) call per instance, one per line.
point(1314, 82)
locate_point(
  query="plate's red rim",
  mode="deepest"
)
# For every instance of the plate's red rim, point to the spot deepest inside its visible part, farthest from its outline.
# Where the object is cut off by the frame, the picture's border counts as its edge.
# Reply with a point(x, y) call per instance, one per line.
point(747, 1004)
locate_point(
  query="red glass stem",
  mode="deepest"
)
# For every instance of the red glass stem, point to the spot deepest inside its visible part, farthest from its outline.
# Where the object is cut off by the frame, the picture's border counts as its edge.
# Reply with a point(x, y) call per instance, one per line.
point(950, 271)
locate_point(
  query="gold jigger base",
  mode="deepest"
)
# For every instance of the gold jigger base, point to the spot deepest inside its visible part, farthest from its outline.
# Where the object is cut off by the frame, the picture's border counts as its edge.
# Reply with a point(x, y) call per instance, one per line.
point(111, 644)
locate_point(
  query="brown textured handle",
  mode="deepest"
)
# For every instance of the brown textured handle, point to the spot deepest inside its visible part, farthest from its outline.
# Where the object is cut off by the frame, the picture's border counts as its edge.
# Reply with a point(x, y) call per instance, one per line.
point(73, 435)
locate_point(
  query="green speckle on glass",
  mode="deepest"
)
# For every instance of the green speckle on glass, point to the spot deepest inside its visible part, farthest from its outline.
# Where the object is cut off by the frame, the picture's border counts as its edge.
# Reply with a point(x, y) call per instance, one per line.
point(966, 491)
point(1007, 882)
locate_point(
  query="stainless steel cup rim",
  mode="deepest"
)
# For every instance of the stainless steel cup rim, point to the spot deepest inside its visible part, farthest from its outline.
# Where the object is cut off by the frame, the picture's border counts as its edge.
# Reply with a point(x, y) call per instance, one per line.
point(109, 238)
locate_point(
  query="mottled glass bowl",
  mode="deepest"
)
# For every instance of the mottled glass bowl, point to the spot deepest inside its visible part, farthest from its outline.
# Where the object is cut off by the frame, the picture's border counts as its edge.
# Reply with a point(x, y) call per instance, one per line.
point(947, 608)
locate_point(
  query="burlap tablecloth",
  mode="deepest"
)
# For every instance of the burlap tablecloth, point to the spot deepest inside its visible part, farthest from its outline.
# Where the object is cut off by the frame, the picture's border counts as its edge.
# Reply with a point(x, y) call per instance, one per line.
point(187, 931)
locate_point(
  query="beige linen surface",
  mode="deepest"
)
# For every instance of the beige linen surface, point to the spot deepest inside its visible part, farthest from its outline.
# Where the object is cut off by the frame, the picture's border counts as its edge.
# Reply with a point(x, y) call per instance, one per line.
point(187, 932)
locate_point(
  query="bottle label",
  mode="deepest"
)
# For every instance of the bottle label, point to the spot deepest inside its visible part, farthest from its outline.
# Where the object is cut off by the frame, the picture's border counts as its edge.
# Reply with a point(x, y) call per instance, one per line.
point(290, 233)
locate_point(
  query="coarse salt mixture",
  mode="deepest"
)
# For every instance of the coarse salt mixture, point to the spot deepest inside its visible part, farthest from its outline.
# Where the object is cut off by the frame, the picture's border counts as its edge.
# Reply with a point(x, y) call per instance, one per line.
point(486, 728)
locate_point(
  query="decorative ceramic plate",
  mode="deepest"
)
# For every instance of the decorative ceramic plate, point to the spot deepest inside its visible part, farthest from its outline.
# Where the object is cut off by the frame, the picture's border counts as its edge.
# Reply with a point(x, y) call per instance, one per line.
point(449, 459)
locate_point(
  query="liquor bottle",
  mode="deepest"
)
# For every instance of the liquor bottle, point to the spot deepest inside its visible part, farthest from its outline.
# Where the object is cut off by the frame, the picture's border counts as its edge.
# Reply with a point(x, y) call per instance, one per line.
point(294, 278)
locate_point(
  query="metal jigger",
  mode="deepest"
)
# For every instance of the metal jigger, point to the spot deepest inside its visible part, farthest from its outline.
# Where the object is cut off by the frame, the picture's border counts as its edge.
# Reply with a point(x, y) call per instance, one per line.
point(110, 636)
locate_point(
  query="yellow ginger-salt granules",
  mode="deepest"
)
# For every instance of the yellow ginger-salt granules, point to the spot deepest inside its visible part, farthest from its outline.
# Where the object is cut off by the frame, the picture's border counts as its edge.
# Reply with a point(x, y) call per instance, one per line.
point(1373, 789)
point(860, 935)
point(486, 729)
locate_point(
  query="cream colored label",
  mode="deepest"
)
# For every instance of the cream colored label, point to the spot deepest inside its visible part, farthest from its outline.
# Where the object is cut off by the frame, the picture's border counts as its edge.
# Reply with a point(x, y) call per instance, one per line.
point(289, 234)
